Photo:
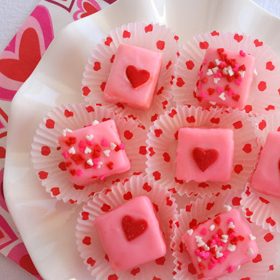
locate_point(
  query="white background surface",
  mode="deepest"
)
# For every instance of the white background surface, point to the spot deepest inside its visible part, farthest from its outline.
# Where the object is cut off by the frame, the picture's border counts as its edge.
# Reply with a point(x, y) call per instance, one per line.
point(12, 15)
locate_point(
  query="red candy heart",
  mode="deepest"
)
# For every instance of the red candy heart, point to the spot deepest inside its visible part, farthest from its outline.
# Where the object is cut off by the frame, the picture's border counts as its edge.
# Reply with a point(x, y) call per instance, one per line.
point(279, 164)
point(133, 228)
point(204, 158)
point(137, 77)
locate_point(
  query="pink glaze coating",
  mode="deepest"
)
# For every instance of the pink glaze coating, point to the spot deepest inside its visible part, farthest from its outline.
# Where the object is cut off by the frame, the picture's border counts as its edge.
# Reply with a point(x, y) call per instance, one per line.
point(266, 178)
point(204, 154)
point(132, 243)
point(142, 67)
point(93, 152)
point(225, 78)
point(220, 245)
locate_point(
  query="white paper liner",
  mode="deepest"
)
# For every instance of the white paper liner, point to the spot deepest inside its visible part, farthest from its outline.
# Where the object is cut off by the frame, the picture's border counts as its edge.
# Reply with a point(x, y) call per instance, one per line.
point(57, 181)
point(164, 146)
point(263, 210)
point(112, 198)
point(142, 35)
point(203, 208)
point(264, 95)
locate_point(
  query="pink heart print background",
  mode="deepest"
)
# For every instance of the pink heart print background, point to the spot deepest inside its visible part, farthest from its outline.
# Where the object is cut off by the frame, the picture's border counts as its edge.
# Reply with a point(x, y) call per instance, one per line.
point(17, 62)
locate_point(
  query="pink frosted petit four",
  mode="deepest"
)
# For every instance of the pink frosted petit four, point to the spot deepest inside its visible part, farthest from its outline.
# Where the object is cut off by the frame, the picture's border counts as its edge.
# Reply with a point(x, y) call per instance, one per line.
point(93, 152)
point(266, 178)
point(133, 77)
point(220, 245)
point(225, 78)
point(204, 154)
point(130, 234)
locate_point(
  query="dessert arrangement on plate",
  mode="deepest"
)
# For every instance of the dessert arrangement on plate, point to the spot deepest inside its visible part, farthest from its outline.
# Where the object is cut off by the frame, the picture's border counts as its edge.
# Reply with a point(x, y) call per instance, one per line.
point(174, 155)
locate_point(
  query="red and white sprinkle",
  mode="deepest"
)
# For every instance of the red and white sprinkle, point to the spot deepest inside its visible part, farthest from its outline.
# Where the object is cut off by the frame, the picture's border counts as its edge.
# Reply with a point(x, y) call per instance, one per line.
point(88, 150)
point(90, 162)
point(72, 151)
point(190, 232)
point(107, 153)
point(113, 146)
point(212, 227)
point(231, 247)
point(65, 131)
point(227, 207)
point(90, 137)
point(252, 237)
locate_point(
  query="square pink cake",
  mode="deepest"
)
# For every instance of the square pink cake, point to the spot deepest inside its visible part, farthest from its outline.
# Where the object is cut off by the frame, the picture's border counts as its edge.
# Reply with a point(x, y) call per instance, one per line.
point(266, 178)
point(225, 78)
point(133, 77)
point(93, 152)
point(220, 245)
point(130, 234)
point(204, 154)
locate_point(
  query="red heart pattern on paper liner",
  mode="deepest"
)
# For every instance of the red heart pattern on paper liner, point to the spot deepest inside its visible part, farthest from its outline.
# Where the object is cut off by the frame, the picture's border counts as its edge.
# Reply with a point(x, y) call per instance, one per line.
point(207, 207)
point(154, 37)
point(163, 138)
point(131, 133)
point(132, 227)
point(137, 77)
point(266, 64)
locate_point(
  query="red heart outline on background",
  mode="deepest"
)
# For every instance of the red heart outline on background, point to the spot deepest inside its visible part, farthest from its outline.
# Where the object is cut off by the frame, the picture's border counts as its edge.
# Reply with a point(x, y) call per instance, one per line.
point(20, 255)
point(38, 22)
point(86, 8)
point(28, 58)
point(65, 7)
point(6, 231)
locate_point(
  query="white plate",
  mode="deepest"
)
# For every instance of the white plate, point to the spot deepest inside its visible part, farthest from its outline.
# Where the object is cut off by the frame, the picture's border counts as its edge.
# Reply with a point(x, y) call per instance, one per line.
point(46, 226)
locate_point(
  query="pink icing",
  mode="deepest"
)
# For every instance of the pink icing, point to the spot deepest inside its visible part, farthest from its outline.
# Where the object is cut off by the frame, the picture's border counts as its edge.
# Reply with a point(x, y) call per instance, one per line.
point(120, 89)
point(266, 178)
point(85, 157)
point(223, 249)
point(127, 249)
point(225, 78)
point(217, 143)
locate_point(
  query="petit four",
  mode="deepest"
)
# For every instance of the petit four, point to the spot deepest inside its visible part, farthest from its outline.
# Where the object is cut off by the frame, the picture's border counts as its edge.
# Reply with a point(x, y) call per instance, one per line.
point(130, 234)
point(220, 245)
point(93, 152)
point(204, 154)
point(133, 77)
point(266, 178)
point(225, 78)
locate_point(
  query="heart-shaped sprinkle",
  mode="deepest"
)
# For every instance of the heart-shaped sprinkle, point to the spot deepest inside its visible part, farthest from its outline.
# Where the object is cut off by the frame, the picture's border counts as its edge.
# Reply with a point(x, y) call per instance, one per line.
point(204, 158)
point(137, 77)
point(133, 227)
point(279, 164)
